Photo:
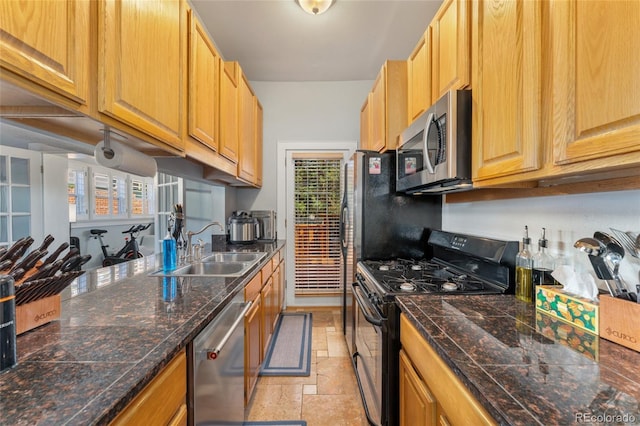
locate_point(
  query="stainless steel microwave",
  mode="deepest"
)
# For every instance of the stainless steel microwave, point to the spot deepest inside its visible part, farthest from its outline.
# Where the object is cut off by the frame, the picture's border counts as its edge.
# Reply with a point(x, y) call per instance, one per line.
point(434, 155)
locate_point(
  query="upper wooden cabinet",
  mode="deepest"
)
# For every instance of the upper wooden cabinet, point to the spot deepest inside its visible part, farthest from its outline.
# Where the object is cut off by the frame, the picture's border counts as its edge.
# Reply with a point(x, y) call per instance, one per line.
point(451, 50)
point(259, 143)
point(48, 43)
point(595, 85)
point(506, 88)
point(141, 65)
point(419, 78)
point(204, 78)
point(229, 95)
point(247, 132)
point(365, 123)
point(388, 105)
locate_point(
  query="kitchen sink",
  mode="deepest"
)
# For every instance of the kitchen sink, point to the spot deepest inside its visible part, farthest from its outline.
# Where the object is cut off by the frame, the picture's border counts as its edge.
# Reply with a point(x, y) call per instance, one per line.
point(230, 256)
point(223, 264)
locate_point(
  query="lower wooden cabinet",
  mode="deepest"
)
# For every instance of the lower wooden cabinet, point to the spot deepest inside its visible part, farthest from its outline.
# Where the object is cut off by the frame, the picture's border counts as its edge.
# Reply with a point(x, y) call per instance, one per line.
point(417, 404)
point(163, 401)
point(268, 313)
point(265, 290)
point(252, 348)
point(430, 393)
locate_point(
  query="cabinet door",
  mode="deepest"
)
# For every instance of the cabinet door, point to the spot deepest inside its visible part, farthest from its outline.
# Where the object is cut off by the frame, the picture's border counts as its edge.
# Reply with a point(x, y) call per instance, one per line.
point(267, 315)
point(276, 297)
point(229, 83)
point(451, 47)
point(247, 132)
point(259, 142)
point(162, 400)
point(378, 116)
point(596, 102)
point(417, 404)
point(47, 42)
point(365, 124)
point(419, 78)
point(252, 347)
point(282, 289)
point(204, 78)
point(141, 66)
point(506, 88)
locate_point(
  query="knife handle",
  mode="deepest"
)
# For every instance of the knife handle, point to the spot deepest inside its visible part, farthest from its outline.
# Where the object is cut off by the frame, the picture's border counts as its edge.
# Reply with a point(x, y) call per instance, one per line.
point(46, 242)
point(23, 248)
point(5, 265)
point(26, 261)
point(55, 254)
point(72, 252)
point(11, 251)
point(17, 273)
point(29, 266)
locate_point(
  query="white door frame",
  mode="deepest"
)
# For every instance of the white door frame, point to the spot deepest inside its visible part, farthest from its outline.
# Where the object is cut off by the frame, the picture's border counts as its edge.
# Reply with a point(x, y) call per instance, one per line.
point(285, 211)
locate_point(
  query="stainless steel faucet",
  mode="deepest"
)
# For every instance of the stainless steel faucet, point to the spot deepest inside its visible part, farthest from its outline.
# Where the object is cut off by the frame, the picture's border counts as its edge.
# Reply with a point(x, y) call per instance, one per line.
point(191, 234)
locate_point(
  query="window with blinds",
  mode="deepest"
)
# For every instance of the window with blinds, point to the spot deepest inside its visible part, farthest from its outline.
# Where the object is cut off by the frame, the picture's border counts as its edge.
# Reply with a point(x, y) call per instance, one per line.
point(317, 225)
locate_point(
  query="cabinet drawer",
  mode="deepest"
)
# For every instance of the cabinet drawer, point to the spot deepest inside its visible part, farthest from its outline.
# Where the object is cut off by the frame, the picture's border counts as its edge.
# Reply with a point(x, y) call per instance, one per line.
point(266, 272)
point(275, 261)
point(162, 399)
point(252, 289)
point(461, 407)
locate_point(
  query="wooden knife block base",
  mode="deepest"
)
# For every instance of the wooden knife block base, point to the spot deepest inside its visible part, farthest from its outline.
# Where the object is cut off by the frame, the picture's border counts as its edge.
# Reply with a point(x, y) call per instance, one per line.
point(620, 321)
point(37, 313)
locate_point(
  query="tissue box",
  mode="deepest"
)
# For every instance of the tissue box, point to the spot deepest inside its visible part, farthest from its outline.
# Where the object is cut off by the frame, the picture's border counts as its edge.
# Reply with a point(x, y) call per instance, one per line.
point(620, 321)
point(578, 339)
point(580, 312)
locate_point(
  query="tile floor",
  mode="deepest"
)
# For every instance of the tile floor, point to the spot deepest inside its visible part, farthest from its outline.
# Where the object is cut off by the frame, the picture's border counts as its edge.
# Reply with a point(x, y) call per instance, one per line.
point(329, 396)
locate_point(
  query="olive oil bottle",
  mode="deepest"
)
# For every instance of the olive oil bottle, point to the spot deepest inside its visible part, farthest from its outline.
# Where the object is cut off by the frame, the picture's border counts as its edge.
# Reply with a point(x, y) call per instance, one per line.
point(524, 270)
point(543, 264)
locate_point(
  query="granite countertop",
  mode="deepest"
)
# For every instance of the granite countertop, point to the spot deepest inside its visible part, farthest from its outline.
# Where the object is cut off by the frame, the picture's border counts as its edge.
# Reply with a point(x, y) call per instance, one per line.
point(118, 328)
point(527, 368)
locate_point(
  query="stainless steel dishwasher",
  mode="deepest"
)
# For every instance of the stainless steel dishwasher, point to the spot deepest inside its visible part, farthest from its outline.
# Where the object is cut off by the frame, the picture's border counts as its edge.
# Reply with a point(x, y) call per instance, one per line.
point(217, 366)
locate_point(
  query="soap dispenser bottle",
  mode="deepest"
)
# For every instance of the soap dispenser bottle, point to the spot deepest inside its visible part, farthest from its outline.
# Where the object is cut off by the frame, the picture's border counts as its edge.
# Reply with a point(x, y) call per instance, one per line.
point(169, 252)
point(524, 270)
point(543, 263)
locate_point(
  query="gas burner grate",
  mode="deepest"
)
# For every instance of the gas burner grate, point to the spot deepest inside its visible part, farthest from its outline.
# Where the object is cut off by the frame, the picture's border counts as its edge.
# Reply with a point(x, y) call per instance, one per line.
point(422, 276)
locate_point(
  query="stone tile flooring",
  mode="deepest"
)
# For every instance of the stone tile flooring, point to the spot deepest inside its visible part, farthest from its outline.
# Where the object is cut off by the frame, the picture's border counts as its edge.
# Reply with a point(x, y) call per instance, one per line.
point(329, 396)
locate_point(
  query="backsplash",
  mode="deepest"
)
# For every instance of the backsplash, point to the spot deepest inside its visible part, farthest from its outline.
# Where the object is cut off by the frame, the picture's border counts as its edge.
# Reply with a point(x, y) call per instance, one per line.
point(567, 218)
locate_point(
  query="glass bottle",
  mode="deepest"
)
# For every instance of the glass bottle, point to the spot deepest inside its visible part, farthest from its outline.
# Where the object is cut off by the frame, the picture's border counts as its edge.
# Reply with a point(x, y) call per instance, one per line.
point(543, 264)
point(524, 269)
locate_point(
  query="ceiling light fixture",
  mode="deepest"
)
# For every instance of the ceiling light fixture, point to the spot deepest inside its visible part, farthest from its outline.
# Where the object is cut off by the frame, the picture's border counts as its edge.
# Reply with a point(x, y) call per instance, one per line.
point(315, 7)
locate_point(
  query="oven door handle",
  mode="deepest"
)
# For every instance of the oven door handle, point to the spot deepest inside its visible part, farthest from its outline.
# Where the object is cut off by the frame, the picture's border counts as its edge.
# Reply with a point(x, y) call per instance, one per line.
point(368, 311)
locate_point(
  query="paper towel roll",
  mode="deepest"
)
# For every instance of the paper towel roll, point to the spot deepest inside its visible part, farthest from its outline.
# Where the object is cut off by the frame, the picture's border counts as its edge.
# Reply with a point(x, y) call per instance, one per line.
point(126, 159)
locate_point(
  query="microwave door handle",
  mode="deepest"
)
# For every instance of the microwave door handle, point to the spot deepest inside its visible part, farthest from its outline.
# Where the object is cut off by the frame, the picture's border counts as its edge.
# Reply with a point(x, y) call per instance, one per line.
point(425, 138)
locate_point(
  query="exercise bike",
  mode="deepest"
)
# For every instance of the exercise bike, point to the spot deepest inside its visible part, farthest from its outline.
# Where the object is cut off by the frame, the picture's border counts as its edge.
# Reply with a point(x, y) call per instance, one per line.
point(126, 253)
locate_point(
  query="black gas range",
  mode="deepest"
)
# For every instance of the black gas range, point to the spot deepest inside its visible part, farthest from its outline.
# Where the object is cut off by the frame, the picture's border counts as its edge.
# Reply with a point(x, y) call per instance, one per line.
point(461, 264)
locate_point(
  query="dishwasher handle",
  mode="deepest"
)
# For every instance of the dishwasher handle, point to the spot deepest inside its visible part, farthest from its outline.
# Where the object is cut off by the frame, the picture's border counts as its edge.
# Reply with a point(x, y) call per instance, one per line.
point(215, 351)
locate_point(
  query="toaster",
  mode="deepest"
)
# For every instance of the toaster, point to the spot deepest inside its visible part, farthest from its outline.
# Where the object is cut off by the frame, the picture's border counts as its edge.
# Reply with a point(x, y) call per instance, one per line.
point(267, 224)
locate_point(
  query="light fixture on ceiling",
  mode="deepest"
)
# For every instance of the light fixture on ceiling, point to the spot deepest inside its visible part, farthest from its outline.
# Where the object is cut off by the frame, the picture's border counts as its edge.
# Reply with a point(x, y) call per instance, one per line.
point(315, 7)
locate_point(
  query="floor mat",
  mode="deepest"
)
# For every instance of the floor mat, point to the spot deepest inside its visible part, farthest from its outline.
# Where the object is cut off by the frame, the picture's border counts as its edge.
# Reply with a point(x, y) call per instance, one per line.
point(289, 352)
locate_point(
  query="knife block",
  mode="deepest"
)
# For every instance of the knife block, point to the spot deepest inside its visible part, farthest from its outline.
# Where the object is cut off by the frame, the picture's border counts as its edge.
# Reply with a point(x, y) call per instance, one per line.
point(37, 313)
point(620, 321)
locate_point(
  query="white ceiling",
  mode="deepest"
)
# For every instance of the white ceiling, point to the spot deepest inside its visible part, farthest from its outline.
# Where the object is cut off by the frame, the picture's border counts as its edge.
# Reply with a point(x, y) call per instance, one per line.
point(274, 40)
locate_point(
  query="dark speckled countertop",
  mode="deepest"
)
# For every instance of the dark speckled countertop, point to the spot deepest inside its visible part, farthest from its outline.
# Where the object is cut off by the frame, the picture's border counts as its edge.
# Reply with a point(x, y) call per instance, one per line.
point(116, 332)
point(526, 368)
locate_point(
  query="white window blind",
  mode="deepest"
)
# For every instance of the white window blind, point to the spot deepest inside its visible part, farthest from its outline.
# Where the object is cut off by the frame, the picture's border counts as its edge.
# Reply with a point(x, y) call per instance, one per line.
point(317, 225)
